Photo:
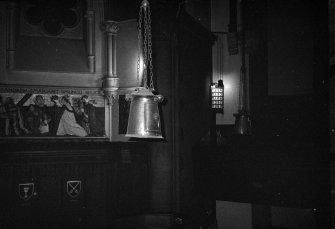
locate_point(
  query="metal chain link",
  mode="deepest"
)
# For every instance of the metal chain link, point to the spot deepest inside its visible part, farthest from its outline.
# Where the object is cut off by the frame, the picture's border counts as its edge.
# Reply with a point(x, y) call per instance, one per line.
point(150, 50)
point(139, 38)
point(146, 49)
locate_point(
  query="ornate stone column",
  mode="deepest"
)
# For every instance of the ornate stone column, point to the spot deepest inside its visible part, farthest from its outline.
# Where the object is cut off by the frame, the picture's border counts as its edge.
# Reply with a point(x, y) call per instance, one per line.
point(90, 16)
point(110, 82)
point(11, 18)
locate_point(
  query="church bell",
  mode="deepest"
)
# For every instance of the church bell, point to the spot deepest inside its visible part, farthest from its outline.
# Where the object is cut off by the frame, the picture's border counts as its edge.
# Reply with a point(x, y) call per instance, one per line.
point(144, 120)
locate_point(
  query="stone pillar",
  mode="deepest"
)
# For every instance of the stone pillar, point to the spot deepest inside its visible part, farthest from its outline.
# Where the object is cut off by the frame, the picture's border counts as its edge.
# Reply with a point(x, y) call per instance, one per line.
point(3, 37)
point(110, 83)
point(90, 17)
point(11, 18)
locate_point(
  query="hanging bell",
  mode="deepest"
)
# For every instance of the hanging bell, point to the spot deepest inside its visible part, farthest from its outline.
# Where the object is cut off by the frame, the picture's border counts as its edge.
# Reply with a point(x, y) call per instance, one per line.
point(144, 120)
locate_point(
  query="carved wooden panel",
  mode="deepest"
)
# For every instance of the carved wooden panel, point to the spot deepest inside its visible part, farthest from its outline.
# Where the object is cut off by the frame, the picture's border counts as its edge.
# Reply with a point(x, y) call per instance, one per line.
point(81, 185)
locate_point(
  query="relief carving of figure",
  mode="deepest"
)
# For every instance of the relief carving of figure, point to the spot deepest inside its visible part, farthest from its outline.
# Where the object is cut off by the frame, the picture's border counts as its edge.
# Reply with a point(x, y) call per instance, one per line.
point(14, 120)
point(37, 118)
point(3, 117)
point(68, 124)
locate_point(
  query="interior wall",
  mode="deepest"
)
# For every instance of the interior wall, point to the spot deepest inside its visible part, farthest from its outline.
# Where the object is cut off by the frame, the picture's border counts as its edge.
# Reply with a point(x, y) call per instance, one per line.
point(332, 79)
point(62, 74)
point(290, 48)
point(127, 54)
point(200, 10)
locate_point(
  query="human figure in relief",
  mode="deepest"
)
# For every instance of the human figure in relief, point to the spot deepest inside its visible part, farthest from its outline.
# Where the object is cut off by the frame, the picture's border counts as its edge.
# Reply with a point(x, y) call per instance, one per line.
point(68, 124)
point(14, 121)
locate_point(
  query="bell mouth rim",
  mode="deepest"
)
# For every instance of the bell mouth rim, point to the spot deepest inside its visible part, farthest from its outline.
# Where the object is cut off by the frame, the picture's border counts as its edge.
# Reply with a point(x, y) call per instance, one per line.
point(137, 95)
point(144, 136)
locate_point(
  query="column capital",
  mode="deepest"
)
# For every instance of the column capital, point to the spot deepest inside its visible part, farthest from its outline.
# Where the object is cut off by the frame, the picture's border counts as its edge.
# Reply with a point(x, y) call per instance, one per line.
point(110, 27)
point(89, 14)
point(110, 85)
point(110, 96)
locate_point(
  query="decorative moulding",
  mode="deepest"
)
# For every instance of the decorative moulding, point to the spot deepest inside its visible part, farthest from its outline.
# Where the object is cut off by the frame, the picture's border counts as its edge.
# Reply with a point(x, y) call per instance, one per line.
point(50, 79)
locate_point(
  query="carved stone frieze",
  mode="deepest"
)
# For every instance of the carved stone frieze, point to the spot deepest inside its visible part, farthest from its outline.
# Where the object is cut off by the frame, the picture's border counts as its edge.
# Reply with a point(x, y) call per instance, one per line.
point(110, 27)
point(44, 90)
